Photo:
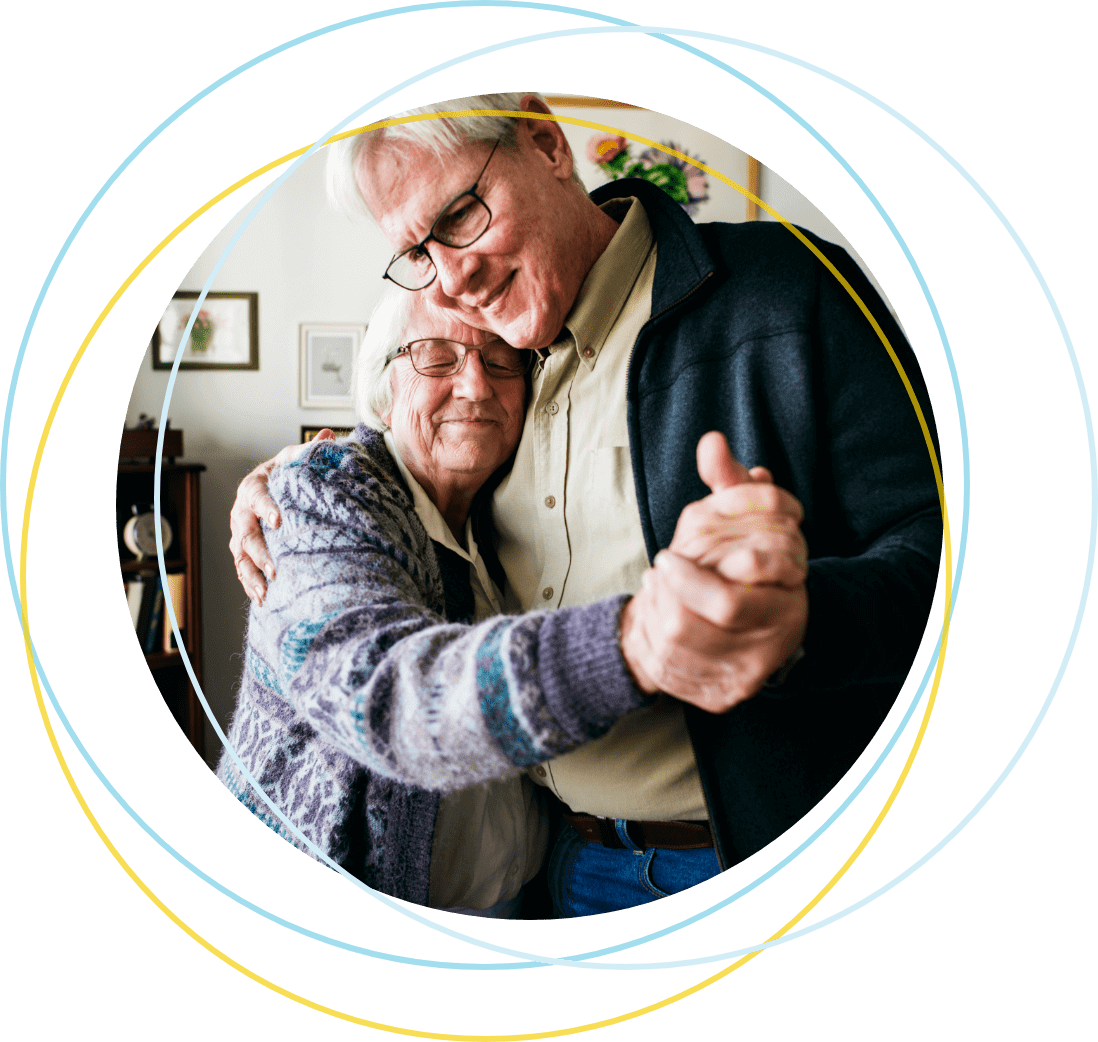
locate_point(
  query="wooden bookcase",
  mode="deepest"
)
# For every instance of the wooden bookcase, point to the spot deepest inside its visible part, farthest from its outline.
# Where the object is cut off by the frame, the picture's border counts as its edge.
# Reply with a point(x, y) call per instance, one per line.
point(179, 505)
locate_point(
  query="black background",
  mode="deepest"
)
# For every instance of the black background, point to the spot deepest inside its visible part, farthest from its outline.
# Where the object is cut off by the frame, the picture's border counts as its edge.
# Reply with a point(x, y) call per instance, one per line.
point(984, 931)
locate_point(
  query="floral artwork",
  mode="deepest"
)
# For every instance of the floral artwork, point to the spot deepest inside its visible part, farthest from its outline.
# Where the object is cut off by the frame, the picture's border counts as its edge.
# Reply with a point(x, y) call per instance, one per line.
point(201, 332)
point(225, 334)
point(681, 180)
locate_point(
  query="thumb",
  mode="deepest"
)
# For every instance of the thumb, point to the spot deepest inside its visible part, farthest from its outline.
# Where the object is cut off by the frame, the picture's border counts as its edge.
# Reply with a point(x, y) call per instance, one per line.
point(325, 435)
point(716, 465)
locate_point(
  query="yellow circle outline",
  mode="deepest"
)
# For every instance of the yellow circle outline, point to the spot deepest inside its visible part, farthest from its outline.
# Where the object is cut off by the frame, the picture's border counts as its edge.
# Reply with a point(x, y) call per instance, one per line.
point(228, 960)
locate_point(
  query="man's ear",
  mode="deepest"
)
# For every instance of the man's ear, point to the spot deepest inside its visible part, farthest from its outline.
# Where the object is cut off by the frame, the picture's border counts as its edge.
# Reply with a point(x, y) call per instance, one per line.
point(547, 137)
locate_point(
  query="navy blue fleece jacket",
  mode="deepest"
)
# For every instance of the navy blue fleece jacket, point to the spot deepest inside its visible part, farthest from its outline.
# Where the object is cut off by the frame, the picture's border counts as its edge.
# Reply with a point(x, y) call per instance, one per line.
point(752, 335)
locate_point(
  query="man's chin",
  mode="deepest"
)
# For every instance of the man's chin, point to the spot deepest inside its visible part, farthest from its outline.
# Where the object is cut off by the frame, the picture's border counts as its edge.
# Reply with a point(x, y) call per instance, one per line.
point(524, 330)
point(513, 318)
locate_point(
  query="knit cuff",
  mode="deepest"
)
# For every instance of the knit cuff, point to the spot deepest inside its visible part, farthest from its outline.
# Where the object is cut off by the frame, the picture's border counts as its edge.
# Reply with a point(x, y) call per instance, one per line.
point(586, 683)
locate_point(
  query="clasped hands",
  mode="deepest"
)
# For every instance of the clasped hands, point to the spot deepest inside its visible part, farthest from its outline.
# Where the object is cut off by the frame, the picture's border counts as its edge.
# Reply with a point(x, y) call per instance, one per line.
point(725, 606)
point(721, 610)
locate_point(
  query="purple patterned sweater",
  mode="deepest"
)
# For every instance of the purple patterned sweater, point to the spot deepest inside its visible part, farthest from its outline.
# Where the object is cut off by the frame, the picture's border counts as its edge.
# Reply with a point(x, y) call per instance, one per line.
point(360, 702)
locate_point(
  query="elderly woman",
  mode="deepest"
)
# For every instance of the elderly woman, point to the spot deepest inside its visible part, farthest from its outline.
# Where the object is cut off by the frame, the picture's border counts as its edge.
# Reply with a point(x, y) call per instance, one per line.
point(380, 681)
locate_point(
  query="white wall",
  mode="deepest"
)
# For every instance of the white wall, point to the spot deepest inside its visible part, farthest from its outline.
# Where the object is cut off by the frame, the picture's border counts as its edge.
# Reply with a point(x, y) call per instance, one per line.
point(796, 209)
point(310, 265)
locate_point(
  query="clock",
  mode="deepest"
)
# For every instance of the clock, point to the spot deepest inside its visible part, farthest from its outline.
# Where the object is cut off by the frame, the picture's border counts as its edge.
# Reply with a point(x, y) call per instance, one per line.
point(139, 535)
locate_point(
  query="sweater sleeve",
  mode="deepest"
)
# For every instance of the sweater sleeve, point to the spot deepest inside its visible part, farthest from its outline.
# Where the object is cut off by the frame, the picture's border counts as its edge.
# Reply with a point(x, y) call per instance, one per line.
point(351, 635)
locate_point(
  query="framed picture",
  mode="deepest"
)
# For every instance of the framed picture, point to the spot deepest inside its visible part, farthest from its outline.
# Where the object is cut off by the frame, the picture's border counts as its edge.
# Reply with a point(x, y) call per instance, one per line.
point(308, 433)
point(225, 334)
point(328, 356)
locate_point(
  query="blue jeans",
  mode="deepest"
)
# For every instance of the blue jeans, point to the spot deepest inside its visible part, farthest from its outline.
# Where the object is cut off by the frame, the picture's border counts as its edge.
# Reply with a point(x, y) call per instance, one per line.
point(587, 878)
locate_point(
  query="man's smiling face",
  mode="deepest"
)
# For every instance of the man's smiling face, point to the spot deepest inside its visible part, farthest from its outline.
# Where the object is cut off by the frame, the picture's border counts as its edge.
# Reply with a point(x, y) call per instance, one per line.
point(521, 277)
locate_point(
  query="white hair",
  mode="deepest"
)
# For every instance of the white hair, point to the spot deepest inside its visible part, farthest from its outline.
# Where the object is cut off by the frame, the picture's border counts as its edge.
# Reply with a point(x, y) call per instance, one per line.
point(372, 390)
point(439, 136)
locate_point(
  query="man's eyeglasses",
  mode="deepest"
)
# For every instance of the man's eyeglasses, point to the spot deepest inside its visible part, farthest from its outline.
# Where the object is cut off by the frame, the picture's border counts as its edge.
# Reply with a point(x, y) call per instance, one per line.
point(447, 357)
point(462, 221)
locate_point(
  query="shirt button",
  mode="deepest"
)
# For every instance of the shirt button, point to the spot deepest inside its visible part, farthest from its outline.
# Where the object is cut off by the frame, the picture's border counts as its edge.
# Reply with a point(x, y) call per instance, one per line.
point(588, 352)
point(550, 501)
point(547, 592)
point(539, 771)
point(552, 408)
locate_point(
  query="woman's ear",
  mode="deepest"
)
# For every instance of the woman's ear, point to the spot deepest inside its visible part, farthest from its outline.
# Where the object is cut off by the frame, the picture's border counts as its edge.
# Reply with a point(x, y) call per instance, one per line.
point(386, 416)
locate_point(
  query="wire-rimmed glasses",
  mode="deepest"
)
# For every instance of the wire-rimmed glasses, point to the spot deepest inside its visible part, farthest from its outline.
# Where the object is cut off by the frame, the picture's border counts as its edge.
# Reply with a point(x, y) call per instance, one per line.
point(438, 357)
point(462, 221)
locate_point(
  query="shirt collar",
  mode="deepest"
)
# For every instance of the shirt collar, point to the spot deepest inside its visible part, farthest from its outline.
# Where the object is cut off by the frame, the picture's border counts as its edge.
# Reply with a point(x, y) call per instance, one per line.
point(609, 282)
point(430, 515)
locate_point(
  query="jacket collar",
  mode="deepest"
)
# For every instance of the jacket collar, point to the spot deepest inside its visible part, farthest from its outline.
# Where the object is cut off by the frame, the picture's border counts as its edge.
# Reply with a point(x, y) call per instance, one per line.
point(682, 260)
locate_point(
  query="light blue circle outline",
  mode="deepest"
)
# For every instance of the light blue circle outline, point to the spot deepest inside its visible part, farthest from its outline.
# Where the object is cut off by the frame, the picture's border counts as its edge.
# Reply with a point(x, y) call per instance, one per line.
point(238, 233)
point(998, 213)
point(174, 371)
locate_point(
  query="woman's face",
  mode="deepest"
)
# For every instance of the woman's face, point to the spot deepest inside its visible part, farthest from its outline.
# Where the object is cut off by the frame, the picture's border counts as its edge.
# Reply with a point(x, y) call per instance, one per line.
point(453, 432)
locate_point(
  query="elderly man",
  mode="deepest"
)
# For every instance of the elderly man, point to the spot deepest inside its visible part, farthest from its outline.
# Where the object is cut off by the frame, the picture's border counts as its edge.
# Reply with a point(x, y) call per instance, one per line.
point(653, 331)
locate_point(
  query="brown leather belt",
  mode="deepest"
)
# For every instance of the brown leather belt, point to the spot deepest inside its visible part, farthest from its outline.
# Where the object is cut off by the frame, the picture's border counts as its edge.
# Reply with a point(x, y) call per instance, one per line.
point(665, 835)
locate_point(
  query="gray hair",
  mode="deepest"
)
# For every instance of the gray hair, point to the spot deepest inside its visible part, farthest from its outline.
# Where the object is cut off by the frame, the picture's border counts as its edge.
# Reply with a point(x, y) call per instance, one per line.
point(372, 390)
point(438, 136)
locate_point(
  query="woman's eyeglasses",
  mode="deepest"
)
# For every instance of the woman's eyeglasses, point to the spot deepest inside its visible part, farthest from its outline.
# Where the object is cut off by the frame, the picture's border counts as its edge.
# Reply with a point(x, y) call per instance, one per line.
point(435, 357)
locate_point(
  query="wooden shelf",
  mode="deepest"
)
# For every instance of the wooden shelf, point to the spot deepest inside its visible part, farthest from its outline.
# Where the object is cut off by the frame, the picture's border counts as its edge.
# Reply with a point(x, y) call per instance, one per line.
point(160, 659)
point(179, 505)
point(142, 442)
point(150, 564)
point(148, 468)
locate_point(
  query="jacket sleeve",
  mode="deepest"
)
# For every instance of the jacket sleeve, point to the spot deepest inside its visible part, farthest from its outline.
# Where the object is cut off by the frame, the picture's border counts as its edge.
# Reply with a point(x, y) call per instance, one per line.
point(775, 352)
point(351, 636)
point(868, 607)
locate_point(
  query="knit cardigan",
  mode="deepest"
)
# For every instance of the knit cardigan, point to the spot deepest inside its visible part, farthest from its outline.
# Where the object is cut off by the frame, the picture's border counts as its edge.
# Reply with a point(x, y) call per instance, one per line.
point(363, 698)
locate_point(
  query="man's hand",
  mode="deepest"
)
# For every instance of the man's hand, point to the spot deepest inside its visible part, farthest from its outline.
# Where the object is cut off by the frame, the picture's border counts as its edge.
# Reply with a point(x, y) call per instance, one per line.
point(254, 565)
point(726, 605)
point(748, 529)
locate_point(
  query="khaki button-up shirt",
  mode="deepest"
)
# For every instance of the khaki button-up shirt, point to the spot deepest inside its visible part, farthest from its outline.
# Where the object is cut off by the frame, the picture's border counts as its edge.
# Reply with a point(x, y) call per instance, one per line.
point(570, 530)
